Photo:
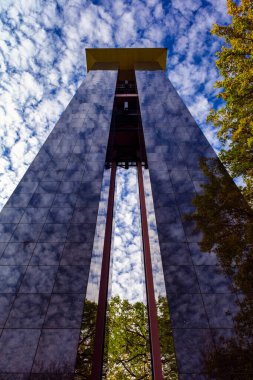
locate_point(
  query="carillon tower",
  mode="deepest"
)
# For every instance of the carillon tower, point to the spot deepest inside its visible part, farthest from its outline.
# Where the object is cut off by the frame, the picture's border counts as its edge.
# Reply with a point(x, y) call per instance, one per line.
point(126, 248)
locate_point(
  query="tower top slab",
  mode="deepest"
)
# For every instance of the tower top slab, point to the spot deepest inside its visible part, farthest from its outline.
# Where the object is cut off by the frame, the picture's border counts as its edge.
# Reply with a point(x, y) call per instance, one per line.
point(126, 58)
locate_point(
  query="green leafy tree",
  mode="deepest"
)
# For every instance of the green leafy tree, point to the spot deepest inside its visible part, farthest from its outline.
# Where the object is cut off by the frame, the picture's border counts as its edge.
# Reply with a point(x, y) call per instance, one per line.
point(127, 351)
point(166, 340)
point(126, 348)
point(86, 341)
point(234, 118)
point(226, 221)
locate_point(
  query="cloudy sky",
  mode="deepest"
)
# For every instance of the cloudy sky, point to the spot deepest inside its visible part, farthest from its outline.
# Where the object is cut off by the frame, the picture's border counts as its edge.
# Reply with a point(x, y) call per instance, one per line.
point(42, 61)
point(127, 268)
point(127, 278)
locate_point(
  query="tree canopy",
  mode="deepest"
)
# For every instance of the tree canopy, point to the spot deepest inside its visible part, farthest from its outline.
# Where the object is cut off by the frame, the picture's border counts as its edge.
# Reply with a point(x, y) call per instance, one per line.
point(127, 347)
point(226, 222)
point(234, 118)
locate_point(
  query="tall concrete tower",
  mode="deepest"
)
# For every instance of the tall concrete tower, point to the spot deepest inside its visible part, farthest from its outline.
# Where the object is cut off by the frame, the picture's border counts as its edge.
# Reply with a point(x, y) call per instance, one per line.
point(58, 228)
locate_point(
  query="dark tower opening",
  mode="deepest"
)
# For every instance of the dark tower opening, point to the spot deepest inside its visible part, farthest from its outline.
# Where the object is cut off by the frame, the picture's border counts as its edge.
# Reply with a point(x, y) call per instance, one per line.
point(126, 144)
point(125, 149)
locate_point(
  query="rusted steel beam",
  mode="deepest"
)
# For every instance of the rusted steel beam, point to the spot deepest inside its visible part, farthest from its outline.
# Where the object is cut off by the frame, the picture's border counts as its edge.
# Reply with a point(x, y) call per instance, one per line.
point(152, 312)
point(97, 362)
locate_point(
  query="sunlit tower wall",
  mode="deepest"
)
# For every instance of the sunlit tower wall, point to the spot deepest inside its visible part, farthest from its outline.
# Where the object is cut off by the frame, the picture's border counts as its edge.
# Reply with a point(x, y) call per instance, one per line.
point(48, 226)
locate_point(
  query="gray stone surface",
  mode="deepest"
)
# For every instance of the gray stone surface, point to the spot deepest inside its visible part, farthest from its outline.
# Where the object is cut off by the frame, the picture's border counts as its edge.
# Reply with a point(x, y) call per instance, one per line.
point(47, 230)
point(43, 285)
point(199, 214)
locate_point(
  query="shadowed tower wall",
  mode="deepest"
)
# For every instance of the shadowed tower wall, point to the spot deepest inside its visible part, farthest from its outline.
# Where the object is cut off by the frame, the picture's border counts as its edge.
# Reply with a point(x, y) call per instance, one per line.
point(205, 234)
point(46, 237)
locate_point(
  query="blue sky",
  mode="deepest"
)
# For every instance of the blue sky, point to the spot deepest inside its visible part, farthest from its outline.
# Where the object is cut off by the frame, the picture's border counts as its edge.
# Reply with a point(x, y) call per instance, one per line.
point(127, 262)
point(42, 61)
point(127, 267)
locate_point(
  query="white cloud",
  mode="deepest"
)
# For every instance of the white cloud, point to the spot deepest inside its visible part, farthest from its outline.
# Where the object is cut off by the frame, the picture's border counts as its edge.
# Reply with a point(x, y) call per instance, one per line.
point(199, 108)
point(127, 30)
point(158, 12)
point(211, 135)
point(127, 256)
point(42, 50)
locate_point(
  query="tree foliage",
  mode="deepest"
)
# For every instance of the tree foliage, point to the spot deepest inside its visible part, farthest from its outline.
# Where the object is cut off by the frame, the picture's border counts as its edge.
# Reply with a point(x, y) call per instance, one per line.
point(127, 351)
point(234, 118)
point(127, 348)
point(86, 341)
point(127, 345)
point(226, 222)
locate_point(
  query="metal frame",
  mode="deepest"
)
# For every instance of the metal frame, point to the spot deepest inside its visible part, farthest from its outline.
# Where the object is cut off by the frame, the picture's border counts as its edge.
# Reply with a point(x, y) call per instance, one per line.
point(97, 362)
point(152, 311)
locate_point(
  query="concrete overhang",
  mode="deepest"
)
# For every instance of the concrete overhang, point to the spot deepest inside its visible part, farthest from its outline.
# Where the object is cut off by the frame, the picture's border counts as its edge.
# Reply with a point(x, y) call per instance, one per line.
point(126, 59)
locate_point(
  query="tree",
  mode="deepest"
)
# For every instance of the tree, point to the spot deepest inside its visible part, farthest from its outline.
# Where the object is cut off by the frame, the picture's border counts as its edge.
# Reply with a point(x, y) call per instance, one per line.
point(226, 222)
point(127, 350)
point(86, 341)
point(234, 118)
point(127, 347)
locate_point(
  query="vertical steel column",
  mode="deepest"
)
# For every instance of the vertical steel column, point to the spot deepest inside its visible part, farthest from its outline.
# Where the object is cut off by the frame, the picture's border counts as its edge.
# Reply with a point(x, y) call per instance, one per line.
point(97, 362)
point(152, 312)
